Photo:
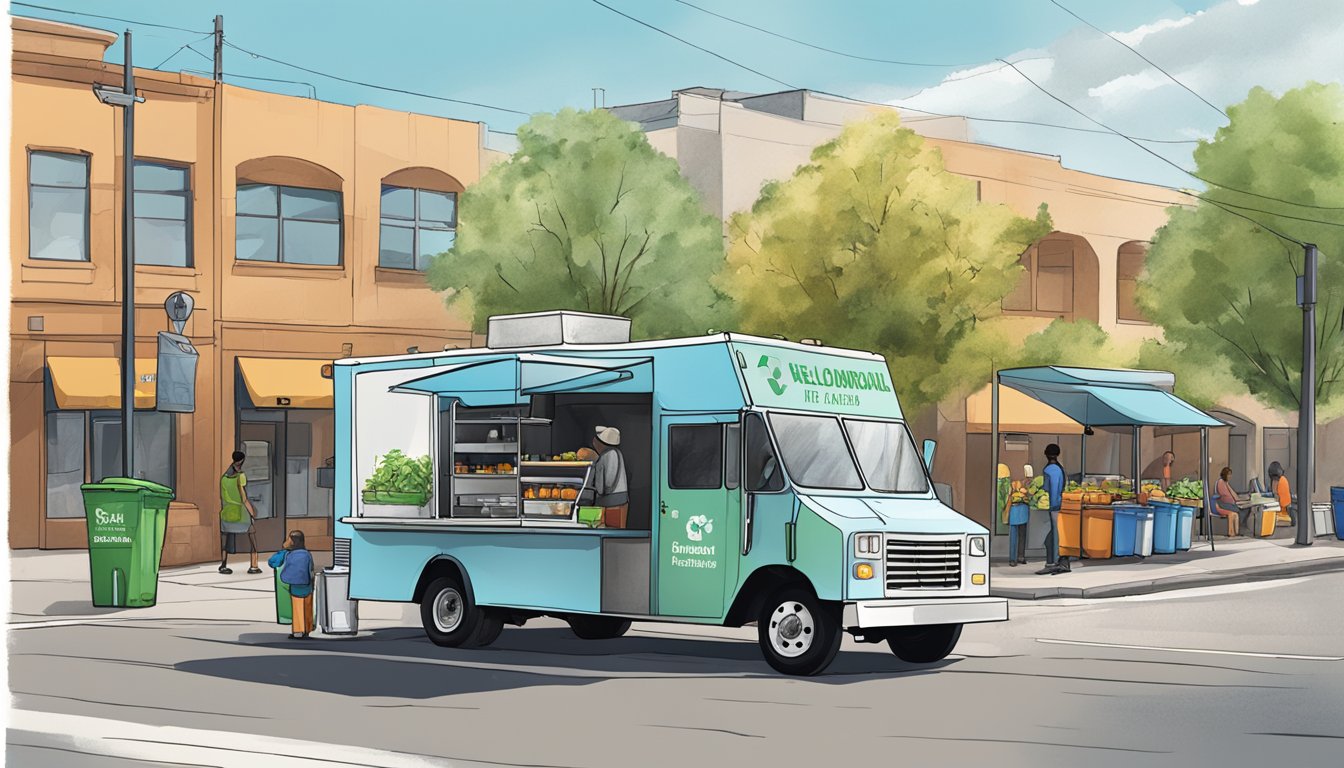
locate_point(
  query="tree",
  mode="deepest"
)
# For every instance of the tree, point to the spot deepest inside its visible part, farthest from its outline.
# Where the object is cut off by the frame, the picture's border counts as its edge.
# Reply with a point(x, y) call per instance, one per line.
point(586, 216)
point(1218, 284)
point(875, 245)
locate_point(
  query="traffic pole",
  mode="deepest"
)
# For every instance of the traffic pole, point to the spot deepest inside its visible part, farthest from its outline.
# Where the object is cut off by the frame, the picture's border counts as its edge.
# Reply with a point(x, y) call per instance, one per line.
point(128, 266)
point(1306, 413)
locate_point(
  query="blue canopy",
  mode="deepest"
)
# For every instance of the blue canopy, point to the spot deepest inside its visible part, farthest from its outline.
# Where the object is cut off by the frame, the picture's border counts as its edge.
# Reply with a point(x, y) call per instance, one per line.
point(1098, 397)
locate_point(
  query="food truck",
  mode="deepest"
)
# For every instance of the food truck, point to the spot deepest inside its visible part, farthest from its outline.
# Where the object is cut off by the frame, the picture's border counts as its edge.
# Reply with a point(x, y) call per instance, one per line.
point(769, 481)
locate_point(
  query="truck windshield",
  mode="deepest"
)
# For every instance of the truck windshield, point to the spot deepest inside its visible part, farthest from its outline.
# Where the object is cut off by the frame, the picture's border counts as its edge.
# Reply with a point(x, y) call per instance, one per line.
point(887, 454)
point(815, 453)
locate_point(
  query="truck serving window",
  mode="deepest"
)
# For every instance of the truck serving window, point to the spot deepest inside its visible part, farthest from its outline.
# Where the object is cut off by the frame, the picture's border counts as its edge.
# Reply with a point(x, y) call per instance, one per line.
point(887, 455)
point(814, 451)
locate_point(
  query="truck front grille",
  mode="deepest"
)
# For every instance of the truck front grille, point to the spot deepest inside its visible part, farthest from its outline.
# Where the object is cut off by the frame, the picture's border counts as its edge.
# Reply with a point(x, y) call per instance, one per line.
point(923, 564)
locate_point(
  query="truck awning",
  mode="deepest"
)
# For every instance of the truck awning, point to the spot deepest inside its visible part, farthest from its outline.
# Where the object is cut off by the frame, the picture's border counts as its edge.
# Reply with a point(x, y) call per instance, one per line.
point(1108, 398)
point(94, 383)
point(274, 382)
point(532, 374)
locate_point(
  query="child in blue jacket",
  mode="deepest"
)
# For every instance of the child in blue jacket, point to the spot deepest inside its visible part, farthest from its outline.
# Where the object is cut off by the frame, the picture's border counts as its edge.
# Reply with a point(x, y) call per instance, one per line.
point(296, 570)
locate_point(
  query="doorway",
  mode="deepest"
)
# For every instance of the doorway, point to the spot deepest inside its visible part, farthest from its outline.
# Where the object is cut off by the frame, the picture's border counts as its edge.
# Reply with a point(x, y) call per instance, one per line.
point(262, 438)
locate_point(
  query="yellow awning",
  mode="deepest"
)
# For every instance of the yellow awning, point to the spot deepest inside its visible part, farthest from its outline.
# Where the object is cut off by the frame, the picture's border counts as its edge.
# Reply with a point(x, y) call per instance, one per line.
point(1017, 413)
point(283, 383)
point(94, 383)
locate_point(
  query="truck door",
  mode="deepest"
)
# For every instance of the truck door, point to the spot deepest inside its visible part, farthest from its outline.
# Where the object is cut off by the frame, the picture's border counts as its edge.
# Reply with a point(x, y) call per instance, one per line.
point(697, 527)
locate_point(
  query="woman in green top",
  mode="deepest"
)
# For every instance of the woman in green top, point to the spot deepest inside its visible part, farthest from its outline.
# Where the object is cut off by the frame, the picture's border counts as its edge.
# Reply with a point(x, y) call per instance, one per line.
point(236, 513)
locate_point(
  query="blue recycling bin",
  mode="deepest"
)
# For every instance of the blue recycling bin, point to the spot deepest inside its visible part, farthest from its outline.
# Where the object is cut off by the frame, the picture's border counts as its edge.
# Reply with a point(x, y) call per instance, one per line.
point(1126, 529)
point(1165, 521)
point(1337, 502)
point(1185, 528)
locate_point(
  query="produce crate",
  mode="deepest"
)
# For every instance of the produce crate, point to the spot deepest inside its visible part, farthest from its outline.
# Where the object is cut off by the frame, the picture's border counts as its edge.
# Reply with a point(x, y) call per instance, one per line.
point(1068, 532)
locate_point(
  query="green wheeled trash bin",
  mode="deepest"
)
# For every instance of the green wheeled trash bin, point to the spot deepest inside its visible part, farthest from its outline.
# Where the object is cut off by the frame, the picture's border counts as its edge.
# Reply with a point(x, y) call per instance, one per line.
point(284, 609)
point(126, 521)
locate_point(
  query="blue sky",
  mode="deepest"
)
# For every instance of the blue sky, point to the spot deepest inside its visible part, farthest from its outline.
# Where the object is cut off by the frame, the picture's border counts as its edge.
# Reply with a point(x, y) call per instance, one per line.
point(542, 55)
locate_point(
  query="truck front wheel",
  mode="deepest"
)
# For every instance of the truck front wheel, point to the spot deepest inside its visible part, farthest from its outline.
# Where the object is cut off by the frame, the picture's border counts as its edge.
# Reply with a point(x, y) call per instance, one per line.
point(450, 617)
point(798, 634)
point(923, 645)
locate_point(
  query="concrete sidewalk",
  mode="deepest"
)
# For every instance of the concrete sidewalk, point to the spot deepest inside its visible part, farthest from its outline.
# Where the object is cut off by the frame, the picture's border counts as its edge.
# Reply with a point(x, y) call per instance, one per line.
point(1231, 561)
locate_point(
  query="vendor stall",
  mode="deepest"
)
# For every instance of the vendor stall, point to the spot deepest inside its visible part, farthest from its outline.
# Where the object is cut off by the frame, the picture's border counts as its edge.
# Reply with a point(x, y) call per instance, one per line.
point(1103, 398)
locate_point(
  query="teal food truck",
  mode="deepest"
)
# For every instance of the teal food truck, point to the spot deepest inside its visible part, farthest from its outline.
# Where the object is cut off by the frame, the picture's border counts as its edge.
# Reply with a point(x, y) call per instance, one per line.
point(768, 482)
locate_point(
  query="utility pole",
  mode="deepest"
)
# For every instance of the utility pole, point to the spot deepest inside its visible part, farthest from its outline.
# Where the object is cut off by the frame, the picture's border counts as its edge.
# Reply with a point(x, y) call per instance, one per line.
point(1306, 412)
point(125, 98)
point(219, 49)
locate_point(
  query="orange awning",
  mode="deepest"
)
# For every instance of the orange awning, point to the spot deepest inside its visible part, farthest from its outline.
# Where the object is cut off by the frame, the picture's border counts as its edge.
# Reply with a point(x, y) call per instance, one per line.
point(274, 382)
point(1017, 413)
point(94, 383)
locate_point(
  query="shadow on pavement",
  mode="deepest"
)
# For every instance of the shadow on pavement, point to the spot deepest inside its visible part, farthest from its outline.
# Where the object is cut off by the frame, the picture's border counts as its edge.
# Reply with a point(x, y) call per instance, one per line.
point(78, 608)
point(542, 656)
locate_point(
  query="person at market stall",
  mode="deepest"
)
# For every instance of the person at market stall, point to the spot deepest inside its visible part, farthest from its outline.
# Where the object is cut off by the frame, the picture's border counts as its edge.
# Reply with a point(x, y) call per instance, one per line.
point(1225, 502)
point(1054, 486)
point(1278, 485)
point(1161, 468)
point(609, 481)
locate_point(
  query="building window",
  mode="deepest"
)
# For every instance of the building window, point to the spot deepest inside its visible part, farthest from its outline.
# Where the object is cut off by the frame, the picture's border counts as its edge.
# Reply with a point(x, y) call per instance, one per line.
point(65, 464)
point(288, 225)
point(1128, 267)
point(1054, 276)
point(1019, 300)
point(416, 225)
point(155, 446)
point(162, 214)
point(58, 206)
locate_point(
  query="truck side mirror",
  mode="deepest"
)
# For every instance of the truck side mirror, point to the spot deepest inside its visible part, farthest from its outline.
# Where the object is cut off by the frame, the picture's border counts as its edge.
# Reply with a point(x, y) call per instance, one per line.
point(929, 447)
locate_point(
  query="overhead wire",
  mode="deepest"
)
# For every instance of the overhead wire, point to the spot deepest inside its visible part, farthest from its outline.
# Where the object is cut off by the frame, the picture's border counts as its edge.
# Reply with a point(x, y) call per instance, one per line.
point(1135, 51)
point(184, 47)
point(112, 18)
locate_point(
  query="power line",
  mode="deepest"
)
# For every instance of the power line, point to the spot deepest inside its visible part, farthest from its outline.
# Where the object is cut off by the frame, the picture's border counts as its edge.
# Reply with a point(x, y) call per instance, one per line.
point(1140, 55)
point(183, 48)
point(684, 41)
point(112, 18)
point(1172, 163)
point(373, 85)
point(813, 45)
point(253, 77)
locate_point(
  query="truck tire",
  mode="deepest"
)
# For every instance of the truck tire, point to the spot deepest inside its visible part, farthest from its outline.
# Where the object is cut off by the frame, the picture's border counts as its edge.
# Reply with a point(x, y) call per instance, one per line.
point(798, 634)
point(492, 623)
point(449, 615)
point(589, 627)
point(923, 645)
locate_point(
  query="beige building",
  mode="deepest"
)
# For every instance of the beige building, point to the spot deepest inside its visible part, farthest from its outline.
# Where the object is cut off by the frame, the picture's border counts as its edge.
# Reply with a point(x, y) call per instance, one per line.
point(300, 228)
point(730, 143)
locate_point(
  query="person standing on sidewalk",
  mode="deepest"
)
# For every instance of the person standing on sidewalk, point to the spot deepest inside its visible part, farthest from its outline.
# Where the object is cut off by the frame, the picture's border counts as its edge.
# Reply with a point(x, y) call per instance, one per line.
point(296, 570)
point(236, 514)
point(1054, 486)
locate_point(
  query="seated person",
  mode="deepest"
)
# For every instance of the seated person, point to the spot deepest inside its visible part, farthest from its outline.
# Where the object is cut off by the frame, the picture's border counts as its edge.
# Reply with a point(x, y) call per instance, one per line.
point(1225, 502)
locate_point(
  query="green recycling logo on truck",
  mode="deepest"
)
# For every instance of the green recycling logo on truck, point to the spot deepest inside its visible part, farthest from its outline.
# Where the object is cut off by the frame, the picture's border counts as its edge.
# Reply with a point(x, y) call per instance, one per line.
point(806, 380)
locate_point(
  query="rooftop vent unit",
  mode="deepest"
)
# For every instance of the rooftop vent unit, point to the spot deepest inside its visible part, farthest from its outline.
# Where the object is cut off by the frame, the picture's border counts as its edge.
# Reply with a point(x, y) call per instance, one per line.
point(543, 329)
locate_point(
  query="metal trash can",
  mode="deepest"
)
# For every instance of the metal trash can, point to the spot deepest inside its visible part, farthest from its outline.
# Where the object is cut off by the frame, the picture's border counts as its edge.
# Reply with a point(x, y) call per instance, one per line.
point(1323, 521)
point(126, 519)
point(1143, 532)
point(337, 613)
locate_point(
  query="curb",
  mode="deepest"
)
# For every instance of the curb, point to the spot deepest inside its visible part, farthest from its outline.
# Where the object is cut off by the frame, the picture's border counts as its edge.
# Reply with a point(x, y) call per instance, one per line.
point(1171, 583)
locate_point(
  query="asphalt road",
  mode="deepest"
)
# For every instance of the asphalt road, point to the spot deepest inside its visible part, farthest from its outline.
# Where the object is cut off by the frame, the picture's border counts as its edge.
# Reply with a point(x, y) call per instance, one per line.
point(1226, 676)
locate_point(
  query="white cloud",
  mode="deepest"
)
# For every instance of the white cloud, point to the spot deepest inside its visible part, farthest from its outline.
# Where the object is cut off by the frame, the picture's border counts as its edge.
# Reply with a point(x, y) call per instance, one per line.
point(1220, 53)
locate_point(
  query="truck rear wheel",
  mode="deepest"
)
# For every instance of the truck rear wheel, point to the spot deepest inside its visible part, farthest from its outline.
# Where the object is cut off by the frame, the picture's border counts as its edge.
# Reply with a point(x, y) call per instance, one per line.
point(589, 627)
point(449, 615)
point(798, 634)
point(923, 645)
point(492, 623)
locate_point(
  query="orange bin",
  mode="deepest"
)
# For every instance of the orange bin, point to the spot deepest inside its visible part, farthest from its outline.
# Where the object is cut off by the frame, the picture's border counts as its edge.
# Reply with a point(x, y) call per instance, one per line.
point(1098, 531)
point(1068, 531)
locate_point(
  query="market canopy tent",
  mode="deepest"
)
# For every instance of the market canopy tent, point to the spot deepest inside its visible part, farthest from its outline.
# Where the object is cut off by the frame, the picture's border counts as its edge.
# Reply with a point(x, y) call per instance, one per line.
point(1099, 397)
point(1017, 413)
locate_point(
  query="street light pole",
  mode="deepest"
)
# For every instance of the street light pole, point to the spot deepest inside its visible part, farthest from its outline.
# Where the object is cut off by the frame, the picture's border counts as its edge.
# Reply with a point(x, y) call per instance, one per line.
point(125, 99)
point(1306, 412)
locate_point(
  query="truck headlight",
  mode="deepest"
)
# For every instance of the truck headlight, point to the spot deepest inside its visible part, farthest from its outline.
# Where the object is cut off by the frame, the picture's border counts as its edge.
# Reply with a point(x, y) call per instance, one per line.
point(868, 546)
point(976, 546)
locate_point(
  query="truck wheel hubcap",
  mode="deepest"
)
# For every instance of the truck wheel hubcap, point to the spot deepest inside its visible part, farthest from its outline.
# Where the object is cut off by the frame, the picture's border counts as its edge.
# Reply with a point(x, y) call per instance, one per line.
point(448, 610)
point(791, 629)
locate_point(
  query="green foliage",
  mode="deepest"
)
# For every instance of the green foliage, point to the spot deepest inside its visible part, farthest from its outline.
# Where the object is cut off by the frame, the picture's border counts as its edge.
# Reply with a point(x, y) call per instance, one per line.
point(398, 473)
point(1224, 288)
point(1186, 489)
point(586, 216)
point(875, 245)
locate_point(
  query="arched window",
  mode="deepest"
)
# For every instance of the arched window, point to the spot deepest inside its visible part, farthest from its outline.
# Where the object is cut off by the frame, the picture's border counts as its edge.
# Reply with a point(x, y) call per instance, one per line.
point(417, 217)
point(1060, 279)
point(289, 211)
point(1128, 266)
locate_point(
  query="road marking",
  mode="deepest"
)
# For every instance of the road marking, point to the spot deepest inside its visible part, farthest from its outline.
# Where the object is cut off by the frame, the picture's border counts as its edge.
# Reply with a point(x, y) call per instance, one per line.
point(136, 741)
point(1290, 656)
